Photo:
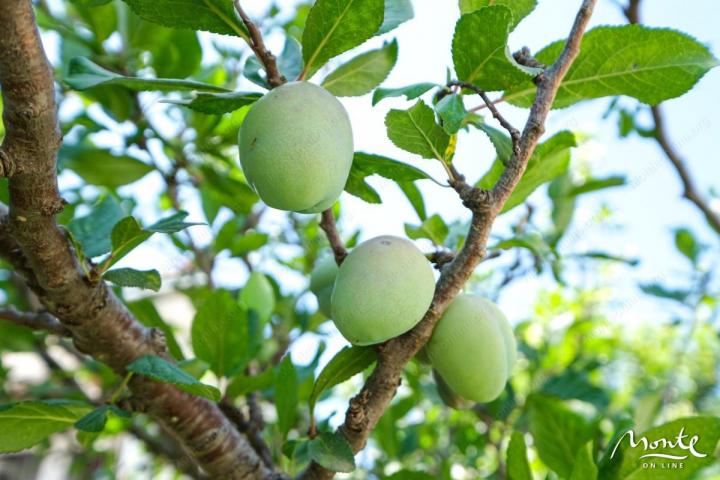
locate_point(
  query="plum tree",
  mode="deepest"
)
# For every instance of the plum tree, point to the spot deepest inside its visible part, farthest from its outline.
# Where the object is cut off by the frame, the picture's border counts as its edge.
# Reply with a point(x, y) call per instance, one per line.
point(296, 147)
point(473, 348)
point(128, 89)
point(382, 290)
point(322, 280)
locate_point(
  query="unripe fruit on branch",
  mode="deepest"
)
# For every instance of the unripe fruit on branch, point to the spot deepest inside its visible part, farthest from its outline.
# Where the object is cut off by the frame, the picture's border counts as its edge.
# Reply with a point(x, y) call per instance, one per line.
point(473, 348)
point(322, 280)
point(448, 396)
point(382, 290)
point(296, 147)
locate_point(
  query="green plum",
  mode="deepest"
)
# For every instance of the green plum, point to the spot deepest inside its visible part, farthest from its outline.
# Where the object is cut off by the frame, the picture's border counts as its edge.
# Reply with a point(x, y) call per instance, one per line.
point(296, 147)
point(448, 396)
point(473, 348)
point(258, 294)
point(322, 280)
point(382, 290)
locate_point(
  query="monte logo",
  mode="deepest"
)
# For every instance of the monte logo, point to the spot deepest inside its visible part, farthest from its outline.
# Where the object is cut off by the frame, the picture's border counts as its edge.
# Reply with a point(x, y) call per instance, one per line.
point(679, 447)
point(686, 444)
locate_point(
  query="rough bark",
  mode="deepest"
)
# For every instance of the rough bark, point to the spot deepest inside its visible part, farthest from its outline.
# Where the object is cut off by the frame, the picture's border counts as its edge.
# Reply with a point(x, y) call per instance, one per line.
point(98, 322)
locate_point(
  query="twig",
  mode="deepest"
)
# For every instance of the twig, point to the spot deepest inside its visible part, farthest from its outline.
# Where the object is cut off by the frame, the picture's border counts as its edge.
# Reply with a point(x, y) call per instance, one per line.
point(249, 427)
point(274, 77)
point(662, 137)
point(327, 223)
point(690, 192)
point(441, 258)
point(368, 406)
point(514, 132)
point(36, 321)
point(483, 105)
point(168, 448)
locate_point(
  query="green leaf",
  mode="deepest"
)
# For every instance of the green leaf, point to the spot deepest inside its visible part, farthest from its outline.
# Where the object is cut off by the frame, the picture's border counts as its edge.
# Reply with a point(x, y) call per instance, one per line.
point(92, 231)
point(175, 53)
point(126, 235)
point(128, 277)
point(286, 395)
point(574, 384)
point(517, 462)
point(258, 295)
point(363, 73)
point(499, 139)
point(549, 160)
point(630, 60)
point(530, 240)
point(410, 475)
point(220, 334)
point(94, 422)
point(558, 433)
point(413, 194)
point(416, 131)
point(145, 311)
point(484, 60)
point(687, 244)
point(598, 255)
point(25, 424)
point(172, 224)
point(595, 184)
point(332, 451)
point(248, 242)
point(101, 167)
point(356, 185)
point(344, 365)
point(563, 206)
point(520, 8)
point(225, 189)
point(336, 26)
point(194, 366)
point(290, 61)
point(253, 71)
point(658, 290)
point(707, 430)
point(217, 16)
point(243, 384)
point(397, 12)
point(411, 92)
point(365, 165)
point(451, 111)
point(584, 468)
point(160, 370)
point(84, 74)
point(101, 18)
point(217, 103)
point(434, 229)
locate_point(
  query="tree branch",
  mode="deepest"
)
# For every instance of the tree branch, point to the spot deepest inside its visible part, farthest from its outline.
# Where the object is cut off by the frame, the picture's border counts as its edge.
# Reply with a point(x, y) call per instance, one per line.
point(36, 321)
point(662, 137)
point(31, 240)
point(249, 426)
point(327, 223)
point(514, 132)
point(367, 407)
point(170, 449)
point(274, 77)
